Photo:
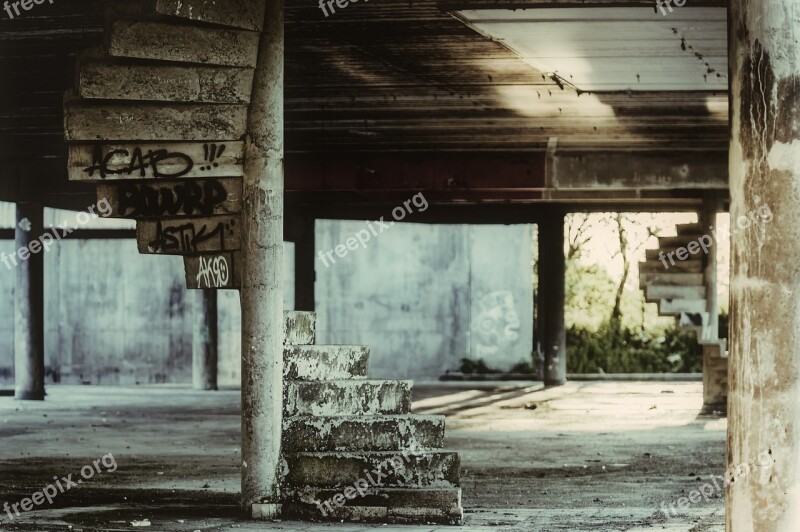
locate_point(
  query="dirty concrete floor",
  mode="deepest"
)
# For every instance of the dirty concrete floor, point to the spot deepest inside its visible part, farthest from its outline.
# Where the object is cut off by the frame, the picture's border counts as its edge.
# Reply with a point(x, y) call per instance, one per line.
point(586, 456)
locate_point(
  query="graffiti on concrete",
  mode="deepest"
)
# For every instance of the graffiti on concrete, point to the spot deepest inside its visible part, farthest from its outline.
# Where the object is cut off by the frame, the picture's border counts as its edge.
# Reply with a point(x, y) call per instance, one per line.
point(496, 325)
point(214, 272)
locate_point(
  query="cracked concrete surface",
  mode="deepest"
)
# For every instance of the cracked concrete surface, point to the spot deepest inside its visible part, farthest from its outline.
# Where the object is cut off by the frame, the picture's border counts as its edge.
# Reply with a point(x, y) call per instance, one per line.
point(586, 456)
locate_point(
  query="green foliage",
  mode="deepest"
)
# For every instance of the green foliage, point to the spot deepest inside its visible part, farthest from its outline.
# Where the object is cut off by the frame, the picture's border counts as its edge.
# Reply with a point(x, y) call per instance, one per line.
point(524, 368)
point(479, 367)
point(590, 295)
point(475, 367)
point(618, 349)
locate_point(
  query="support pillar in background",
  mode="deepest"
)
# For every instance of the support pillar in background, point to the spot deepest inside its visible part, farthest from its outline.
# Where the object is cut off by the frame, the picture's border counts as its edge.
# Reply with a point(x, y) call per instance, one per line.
point(29, 305)
point(764, 374)
point(262, 279)
point(708, 219)
point(715, 364)
point(552, 290)
point(304, 265)
point(205, 341)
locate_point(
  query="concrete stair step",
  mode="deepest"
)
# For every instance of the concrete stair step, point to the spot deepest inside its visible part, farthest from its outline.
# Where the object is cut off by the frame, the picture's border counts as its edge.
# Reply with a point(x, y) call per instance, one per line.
point(656, 292)
point(300, 328)
point(347, 397)
point(698, 322)
point(715, 348)
point(394, 505)
point(674, 307)
point(715, 379)
point(359, 433)
point(325, 362)
point(656, 266)
point(678, 241)
point(673, 279)
point(654, 253)
point(693, 319)
point(411, 468)
point(690, 229)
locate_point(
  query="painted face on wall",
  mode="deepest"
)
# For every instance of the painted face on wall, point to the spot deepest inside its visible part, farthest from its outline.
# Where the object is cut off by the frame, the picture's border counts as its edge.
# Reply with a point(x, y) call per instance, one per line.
point(497, 323)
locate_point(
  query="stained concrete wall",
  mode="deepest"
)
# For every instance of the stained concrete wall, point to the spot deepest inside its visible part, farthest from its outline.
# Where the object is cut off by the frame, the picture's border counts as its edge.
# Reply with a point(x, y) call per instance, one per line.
point(113, 316)
point(422, 297)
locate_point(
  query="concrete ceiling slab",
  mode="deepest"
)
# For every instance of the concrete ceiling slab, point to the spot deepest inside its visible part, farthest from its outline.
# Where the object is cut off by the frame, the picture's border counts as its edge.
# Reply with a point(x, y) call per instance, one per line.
point(616, 49)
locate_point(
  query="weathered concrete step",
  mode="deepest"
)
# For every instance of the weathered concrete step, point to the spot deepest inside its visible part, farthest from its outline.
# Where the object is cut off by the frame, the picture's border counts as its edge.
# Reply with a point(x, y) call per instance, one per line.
point(347, 398)
point(715, 381)
point(300, 328)
point(325, 362)
point(163, 82)
point(656, 266)
point(395, 505)
point(674, 307)
point(698, 322)
point(359, 433)
point(183, 43)
point(673, 279)
point(670, 254)
point(689, 229)
point(693, 319)
point(411, 468)
point(678, 241)
point(655, 292)
point(715, 348)
point(243, 14)
point(90, 120)
point(655, 253)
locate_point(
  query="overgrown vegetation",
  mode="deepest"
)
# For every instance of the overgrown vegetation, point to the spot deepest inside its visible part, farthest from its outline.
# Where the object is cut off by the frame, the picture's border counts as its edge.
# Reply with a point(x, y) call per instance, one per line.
point(618, 349)
point(610, 328)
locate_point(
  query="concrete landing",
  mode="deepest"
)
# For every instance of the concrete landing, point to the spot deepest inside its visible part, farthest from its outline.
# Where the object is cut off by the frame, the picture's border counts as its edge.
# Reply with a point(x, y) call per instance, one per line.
point(584, 457)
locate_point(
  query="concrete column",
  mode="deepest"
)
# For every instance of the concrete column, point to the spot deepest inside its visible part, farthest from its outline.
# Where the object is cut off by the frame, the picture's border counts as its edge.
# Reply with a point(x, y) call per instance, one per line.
point(552, 271)
point(304, 266)
point(707, 219)
point(262, 280)
point(29, 304)
point(205, 341)
point(764, 373)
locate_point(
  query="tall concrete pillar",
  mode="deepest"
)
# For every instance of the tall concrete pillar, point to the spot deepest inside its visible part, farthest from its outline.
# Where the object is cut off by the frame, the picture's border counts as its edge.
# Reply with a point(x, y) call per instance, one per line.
point(205, 341)
point(29, 304)
point(304, 266)
point(262, 278)
point(764, 373)
point(552, 271)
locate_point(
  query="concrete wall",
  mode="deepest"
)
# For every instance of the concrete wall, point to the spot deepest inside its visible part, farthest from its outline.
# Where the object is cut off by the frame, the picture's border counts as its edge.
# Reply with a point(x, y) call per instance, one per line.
point(113, 316)
point(422, 296)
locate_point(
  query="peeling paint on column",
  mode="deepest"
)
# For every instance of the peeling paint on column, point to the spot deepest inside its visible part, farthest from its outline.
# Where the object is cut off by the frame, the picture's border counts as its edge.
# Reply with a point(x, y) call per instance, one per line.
point(764, 398)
